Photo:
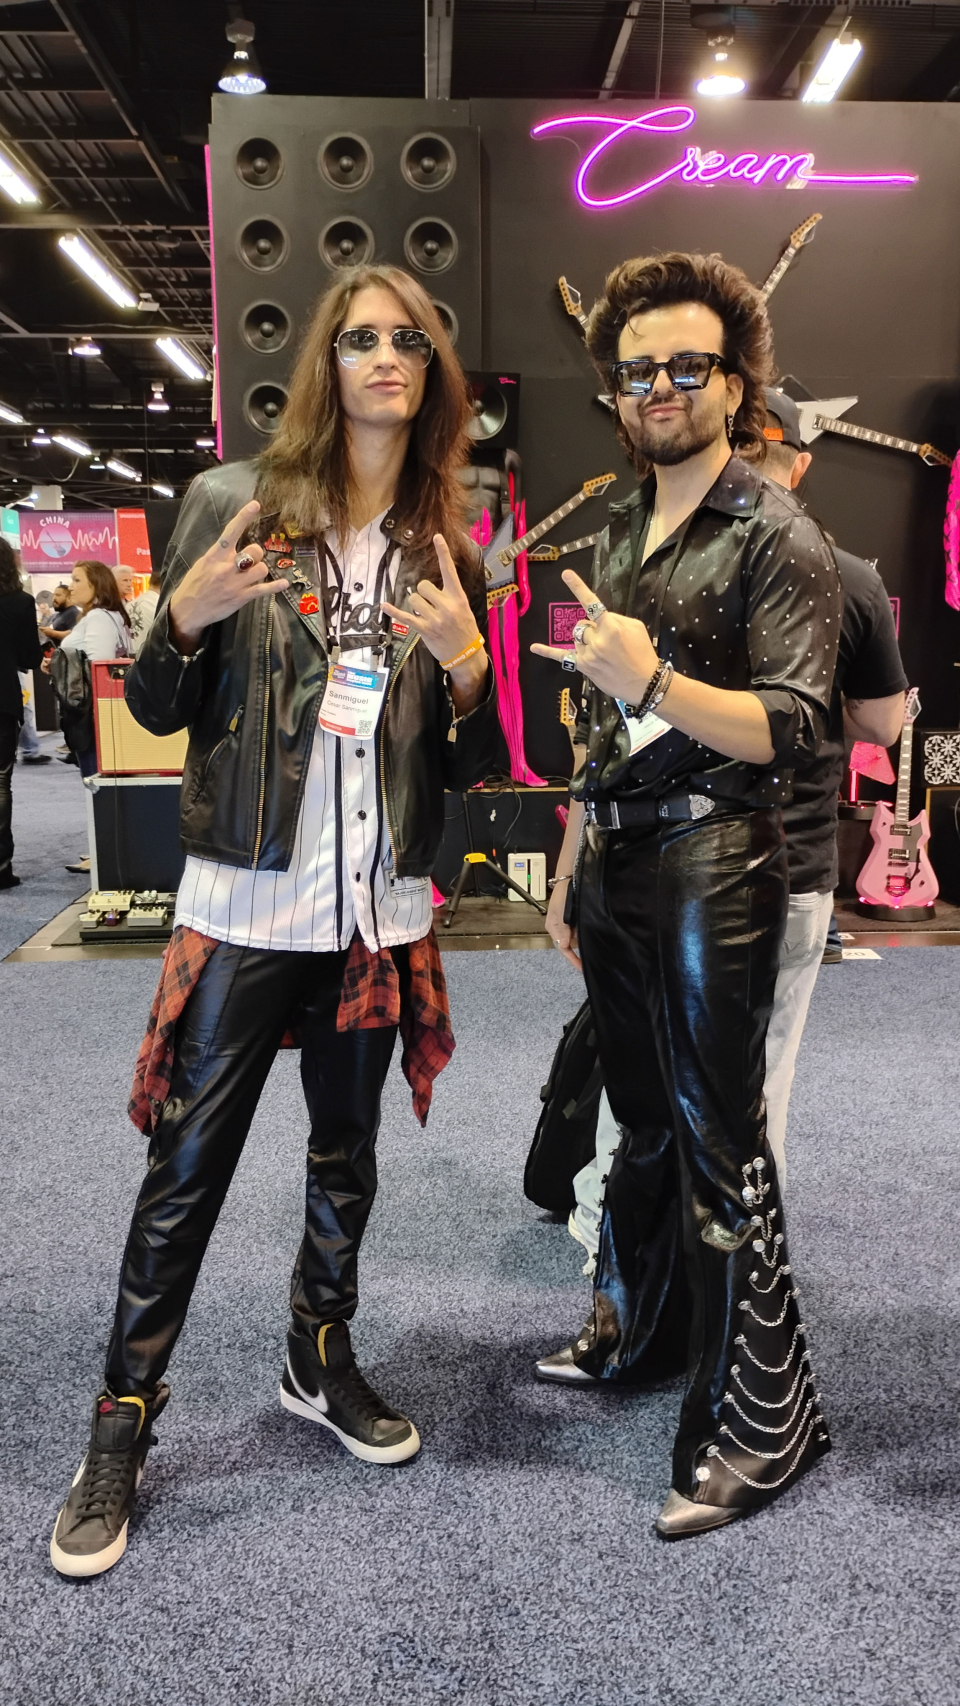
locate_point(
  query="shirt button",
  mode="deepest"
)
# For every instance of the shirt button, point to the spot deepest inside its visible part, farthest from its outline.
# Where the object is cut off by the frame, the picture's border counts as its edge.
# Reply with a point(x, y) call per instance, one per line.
point(358, 586)
point(361, 752)
point(361, 814)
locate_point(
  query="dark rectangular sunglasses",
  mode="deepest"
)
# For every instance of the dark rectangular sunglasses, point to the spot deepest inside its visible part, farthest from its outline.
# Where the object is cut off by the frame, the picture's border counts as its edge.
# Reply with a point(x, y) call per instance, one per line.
point(688, 372)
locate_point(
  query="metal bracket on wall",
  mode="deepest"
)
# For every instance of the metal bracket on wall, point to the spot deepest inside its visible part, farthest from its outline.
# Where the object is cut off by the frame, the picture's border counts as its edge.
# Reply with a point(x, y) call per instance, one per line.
point(437, 48)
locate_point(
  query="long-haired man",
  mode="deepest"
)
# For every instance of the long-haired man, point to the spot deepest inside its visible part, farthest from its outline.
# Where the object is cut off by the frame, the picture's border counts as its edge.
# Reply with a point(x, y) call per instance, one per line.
point(709, 638)
point(321, 632)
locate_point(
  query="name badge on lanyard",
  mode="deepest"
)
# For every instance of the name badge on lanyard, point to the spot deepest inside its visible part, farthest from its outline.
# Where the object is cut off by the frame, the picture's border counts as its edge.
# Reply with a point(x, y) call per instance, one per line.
point(644, 731)
point(353, 700)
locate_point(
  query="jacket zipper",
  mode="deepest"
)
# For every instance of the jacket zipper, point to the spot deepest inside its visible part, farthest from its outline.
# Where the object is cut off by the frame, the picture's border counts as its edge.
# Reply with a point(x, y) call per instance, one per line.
point(263, 737)
point(383, 774)
point(232, 728)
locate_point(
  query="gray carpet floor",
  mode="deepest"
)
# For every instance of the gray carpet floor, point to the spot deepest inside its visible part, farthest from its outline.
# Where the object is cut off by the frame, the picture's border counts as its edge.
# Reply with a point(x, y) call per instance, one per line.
point(514, 1561)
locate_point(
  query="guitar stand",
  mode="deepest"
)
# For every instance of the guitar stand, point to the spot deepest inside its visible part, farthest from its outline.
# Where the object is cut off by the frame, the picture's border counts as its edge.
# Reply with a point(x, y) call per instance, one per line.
point(470, 862)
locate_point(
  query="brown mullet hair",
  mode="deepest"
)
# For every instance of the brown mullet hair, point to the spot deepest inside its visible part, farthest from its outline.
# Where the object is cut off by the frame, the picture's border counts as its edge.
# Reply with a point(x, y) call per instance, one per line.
point(660, 281)
point(304, 472)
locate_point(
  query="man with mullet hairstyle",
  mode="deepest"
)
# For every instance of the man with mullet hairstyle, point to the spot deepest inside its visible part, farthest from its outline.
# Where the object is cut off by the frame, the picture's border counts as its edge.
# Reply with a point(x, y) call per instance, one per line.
point(321, 631)
point(708, 644)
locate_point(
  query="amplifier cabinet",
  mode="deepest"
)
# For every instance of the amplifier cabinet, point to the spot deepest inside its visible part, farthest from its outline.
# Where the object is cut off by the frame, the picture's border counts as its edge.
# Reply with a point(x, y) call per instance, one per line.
point(302, 186)
point(943, 810)
point(133, 823)
point(124, 747)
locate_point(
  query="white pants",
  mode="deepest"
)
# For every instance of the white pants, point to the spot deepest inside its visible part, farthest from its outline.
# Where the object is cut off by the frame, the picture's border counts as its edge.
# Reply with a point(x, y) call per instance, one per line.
point(808, 920)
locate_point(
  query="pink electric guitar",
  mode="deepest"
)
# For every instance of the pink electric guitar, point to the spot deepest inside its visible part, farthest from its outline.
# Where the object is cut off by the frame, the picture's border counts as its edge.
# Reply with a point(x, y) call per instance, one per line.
point(898, 880)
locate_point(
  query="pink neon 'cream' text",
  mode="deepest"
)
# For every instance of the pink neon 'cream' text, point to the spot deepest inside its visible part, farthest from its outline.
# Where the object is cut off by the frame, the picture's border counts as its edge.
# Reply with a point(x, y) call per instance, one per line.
point(697, 168)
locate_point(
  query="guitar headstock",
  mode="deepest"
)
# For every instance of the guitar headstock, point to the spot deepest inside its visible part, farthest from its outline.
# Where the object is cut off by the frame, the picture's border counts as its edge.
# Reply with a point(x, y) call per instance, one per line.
point(806, 232)
point(572, 300)
point(911, 709)
point(934, 458)
point(544, 554)
point(568, 713)
point(599, 484)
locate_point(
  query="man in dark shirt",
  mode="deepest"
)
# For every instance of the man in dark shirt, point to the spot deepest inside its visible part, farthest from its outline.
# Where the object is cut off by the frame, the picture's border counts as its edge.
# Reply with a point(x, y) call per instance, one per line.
point(867, 701)
point(64, 616)
point(715, 606)
point(19, 652)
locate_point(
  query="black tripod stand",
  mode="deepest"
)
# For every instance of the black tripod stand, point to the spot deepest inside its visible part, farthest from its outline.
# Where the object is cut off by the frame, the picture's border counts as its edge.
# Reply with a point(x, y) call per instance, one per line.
point(471, 860)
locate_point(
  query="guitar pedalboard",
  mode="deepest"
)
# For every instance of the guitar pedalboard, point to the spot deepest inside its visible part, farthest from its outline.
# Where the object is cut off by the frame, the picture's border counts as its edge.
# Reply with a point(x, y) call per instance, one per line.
point(128, 915)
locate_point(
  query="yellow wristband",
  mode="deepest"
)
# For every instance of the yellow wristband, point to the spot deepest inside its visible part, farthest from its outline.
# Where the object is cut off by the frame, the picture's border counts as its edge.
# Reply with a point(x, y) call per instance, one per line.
point(475, 646)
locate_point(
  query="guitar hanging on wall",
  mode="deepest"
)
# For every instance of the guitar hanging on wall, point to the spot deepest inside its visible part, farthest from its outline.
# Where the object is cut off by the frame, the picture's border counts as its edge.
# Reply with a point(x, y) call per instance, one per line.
point(551, 553)
point(820, 415)
point(799, 239)
point(500, 555)
point(898, 881)
point(573, 303)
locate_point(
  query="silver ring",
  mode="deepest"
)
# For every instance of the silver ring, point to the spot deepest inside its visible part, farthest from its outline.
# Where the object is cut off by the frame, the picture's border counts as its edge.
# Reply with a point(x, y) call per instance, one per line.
point(579, 629)
point(596, 610)
point(569, 662)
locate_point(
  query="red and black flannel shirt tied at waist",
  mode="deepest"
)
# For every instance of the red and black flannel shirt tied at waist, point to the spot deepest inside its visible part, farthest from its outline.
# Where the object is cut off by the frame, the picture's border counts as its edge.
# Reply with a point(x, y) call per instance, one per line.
point(370, 997)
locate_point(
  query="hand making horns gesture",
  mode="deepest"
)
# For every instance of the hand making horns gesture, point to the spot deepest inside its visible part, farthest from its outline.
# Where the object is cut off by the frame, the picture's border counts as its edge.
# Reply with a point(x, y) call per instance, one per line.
point(222, 581)
point(441, 614)
point(614, 652)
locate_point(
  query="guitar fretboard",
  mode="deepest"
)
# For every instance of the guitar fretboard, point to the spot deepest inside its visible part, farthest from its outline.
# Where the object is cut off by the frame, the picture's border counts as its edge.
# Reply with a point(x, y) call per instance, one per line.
point(767, 290)
point(509, 555)
point(550, 553)
point(901, 811)
point(826, 423)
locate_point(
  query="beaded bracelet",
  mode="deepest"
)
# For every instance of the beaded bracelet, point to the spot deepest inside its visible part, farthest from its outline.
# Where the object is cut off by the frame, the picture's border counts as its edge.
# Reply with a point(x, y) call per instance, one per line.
point(657, 697)
point(475, 646)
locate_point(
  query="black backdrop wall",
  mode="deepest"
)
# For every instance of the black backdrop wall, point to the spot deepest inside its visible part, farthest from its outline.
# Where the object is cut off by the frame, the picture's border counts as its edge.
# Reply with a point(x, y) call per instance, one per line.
point(871, 308)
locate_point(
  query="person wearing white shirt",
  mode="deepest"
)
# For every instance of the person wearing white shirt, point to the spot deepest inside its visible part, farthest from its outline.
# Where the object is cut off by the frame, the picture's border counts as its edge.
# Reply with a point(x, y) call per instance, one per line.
point(101, 634)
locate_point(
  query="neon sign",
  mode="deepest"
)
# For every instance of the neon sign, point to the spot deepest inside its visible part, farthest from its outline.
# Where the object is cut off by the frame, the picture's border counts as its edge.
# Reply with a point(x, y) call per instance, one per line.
point(695, 167)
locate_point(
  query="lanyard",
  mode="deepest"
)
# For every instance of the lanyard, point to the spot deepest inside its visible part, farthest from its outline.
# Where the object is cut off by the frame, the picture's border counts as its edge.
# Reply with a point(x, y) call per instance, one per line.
point(359, 619)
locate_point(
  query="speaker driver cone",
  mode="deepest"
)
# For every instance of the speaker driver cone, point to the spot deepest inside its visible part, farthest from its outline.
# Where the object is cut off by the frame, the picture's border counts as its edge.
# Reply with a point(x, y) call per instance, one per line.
point(428, 161)
point(259, 163)
point(263, 244)
point(345, 161)
point(265, 327)
point(430, 245)
point(448, 318)
point(263, 406)
point(346, 243)
point(489, 413)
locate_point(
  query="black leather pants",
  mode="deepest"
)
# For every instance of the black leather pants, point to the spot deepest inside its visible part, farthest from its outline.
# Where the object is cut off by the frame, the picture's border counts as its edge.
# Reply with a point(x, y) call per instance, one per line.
point(9, 735)
point(680, 928)
point(226, 1041)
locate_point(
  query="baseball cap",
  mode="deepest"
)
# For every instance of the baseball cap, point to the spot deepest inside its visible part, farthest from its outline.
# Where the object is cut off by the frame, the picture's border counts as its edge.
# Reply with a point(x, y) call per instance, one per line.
point(784, 410)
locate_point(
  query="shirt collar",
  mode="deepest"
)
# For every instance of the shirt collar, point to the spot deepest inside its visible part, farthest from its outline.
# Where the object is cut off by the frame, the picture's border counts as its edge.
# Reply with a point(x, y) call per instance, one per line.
point(736, 491)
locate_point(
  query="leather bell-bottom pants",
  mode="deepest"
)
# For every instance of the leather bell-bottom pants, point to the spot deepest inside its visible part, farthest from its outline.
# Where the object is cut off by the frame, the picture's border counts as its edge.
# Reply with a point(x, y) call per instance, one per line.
point(9, 735)
point(226, 1041)
point(680, 926)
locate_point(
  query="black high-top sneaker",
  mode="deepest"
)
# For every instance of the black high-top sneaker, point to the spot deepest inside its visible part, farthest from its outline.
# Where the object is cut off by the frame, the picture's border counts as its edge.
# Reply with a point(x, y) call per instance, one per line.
point(90, 1533)
point(321, 1381)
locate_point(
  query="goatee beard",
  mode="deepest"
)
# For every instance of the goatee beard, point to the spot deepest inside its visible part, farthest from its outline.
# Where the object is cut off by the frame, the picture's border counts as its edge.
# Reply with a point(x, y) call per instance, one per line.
point(688, 440)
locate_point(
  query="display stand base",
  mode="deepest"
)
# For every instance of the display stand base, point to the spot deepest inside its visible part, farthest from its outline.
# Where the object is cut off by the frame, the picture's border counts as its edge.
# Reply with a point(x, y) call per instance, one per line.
point(896, 914)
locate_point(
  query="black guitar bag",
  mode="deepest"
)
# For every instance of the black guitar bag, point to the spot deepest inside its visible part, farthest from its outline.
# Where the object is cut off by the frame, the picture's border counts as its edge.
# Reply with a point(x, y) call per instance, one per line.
point(566, 1135)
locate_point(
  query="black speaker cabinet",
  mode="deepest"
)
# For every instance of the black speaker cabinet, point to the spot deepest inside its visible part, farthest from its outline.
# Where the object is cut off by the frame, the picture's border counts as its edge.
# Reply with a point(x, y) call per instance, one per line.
point(302, 186)
point(943, 810)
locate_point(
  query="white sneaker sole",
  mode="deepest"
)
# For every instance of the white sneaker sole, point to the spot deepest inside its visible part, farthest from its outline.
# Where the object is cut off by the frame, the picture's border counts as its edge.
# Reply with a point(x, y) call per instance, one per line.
point(367, 1453)
point(94, 1563)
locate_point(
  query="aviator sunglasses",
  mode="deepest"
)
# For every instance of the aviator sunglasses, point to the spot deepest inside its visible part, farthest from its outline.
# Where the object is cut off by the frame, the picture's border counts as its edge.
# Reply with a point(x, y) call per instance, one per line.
point(687, 372)
point(359, 344)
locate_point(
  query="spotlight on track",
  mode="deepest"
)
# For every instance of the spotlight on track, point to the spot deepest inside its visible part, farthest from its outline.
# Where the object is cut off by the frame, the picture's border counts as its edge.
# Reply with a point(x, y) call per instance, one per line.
point(720, 77)
point(242, 75)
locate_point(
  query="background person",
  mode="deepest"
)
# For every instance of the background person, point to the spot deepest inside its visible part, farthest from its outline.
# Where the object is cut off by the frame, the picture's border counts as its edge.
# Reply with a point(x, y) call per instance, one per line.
point(64, 615)
point(141, 611)
point(102, 632)
point(124, 577)
point(19, 652)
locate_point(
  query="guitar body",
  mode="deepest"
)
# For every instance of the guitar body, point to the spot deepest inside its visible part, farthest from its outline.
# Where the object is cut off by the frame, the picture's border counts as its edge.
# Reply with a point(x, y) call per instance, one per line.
point(898, 880)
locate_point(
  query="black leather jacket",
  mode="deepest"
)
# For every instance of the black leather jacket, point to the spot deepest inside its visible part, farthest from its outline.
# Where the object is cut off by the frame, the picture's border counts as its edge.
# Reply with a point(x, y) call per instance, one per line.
point(250, 696)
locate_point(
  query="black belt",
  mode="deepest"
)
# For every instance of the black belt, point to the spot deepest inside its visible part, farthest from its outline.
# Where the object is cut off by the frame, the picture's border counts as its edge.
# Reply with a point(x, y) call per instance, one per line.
point(630, 814)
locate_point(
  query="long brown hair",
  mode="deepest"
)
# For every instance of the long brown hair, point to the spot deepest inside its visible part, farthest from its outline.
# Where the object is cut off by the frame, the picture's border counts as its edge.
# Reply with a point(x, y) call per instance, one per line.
point(304, 473)
point(659, 281)
point(106, 593)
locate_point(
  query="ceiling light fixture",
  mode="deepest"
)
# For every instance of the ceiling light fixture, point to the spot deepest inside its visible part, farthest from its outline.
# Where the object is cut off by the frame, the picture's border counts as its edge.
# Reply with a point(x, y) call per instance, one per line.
point(181, 358)
point(89, 262)
point(96, 466)
point(721, 77)
point(75, 445)
point(206, 443)
point(161, 490)
point(158, 402)
point(834, 68)
point(241, 75)
point(14, 184)
point(41, 436)
point(14, 416)
point(123, 469)
point(84, 346)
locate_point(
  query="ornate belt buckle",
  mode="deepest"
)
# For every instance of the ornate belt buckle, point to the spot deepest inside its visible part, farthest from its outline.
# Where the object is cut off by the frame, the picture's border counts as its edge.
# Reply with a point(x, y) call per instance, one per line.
point(701, 806)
